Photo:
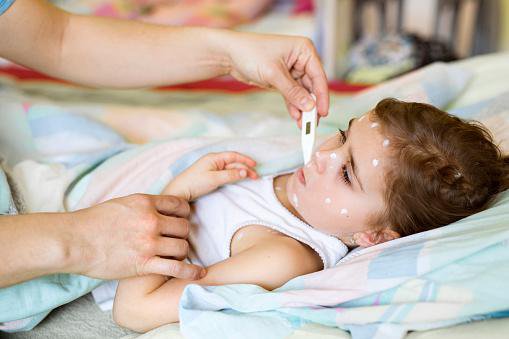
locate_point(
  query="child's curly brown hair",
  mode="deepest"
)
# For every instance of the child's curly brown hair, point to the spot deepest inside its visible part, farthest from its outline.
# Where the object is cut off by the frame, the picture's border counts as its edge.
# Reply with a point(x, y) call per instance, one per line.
point(443, 168)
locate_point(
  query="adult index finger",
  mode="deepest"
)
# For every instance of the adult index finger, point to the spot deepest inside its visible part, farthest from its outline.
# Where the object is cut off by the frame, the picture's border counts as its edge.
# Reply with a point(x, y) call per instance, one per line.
point(173, 268)
point(316, 74)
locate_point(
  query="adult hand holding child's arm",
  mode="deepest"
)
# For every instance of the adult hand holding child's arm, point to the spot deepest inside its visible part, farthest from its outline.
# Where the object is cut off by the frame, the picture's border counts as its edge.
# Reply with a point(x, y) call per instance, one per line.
point(119, 238)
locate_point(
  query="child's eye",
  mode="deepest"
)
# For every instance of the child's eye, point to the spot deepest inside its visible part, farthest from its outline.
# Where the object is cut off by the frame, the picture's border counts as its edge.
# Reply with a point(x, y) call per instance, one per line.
point(344, 169)
point(345, 176)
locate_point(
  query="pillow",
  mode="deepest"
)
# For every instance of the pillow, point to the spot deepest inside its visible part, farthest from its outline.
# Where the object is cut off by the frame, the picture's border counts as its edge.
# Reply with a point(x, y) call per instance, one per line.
point(437, 84)
point(492, 113)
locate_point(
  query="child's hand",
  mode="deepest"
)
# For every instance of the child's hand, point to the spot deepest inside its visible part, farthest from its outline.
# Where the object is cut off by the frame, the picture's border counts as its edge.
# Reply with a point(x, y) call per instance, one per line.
point(210, 172)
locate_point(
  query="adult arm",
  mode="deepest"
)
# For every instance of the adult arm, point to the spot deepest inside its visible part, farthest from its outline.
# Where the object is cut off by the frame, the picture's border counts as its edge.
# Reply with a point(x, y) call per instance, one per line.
point(119, 238)
point(107, 52)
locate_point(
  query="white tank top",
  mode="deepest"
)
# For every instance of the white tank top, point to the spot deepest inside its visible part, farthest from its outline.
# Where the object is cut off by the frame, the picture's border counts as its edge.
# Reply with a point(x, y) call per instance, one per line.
point(218, 215)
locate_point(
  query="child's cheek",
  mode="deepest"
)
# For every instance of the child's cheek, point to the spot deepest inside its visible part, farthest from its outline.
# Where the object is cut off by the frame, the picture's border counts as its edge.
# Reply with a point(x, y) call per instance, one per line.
point(322, 212)
point(325, 208)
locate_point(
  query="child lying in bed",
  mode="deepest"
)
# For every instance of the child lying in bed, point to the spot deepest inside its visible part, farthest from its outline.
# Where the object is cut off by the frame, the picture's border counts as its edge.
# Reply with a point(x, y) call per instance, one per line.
point(400, 169)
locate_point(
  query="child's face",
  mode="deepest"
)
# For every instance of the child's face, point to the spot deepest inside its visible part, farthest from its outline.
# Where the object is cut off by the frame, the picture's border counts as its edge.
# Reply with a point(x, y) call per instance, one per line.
point(344, 182)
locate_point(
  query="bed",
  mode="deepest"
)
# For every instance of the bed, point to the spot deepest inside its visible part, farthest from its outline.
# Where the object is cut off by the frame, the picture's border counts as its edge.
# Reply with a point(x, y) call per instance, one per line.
point(225, 113)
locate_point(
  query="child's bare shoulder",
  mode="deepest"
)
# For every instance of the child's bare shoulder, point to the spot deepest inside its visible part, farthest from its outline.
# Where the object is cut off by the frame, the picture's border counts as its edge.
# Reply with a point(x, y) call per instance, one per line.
point(287, 256)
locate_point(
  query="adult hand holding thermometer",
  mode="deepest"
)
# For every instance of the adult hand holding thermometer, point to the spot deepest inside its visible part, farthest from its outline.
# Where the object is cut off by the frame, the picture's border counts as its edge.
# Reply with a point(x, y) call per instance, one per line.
point(309, 119)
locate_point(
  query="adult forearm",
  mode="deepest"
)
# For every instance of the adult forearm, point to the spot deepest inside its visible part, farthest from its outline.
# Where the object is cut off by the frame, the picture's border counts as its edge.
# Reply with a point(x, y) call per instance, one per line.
point(34, 245)
point(107, 52)
point(118, 53)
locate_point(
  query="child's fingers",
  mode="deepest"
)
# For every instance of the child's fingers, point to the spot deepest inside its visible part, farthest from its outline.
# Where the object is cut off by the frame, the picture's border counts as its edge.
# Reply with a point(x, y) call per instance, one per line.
point(231, 157)
point(251, 172)
point(229, 176)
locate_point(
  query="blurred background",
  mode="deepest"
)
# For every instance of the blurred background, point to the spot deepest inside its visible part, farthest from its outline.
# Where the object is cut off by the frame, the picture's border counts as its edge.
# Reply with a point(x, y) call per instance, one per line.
point(360, 41)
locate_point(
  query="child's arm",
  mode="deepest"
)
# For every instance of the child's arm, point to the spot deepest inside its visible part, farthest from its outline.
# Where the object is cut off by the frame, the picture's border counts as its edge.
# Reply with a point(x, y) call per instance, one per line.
point(144, 303)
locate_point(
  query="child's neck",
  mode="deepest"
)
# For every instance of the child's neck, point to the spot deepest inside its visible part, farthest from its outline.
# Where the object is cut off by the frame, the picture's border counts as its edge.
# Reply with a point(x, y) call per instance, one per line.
point(280, 189)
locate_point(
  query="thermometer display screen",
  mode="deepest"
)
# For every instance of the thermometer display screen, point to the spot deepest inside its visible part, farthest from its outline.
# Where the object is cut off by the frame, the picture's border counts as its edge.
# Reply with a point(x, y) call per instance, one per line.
point(308, 127)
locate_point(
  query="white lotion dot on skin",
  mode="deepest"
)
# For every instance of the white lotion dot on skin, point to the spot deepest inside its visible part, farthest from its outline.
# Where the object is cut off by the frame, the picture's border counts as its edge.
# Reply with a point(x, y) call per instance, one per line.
point(375, 124)
point(327, 200)
point(278, 188)
point(295, 200)
point(375, 162)
point(344, 211)
point(333, 156)
point(386, 143)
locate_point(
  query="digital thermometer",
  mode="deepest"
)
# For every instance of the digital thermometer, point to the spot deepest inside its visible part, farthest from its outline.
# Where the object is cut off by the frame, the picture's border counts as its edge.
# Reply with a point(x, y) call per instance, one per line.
point(308, 132)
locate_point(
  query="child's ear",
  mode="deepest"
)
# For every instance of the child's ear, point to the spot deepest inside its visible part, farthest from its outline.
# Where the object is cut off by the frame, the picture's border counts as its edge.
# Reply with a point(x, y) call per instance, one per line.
point(374, 237)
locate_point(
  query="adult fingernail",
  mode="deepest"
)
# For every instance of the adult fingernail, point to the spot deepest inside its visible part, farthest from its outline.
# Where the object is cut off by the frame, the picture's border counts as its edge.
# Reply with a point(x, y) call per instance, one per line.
point(307, 104)
point(203, 273)
point(243, 173)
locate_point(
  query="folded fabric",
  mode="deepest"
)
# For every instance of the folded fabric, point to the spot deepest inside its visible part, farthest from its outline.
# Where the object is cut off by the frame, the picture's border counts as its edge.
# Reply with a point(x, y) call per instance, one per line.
point(492, 113)
point(437, 84)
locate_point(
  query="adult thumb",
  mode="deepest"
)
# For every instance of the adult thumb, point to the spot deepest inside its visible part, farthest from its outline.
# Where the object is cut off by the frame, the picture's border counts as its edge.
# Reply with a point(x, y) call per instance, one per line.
point(292, 91)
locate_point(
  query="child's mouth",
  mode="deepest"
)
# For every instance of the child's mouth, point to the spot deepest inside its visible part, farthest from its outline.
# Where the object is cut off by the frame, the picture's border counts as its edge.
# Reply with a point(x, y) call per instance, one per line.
point(301, 177)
